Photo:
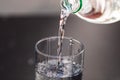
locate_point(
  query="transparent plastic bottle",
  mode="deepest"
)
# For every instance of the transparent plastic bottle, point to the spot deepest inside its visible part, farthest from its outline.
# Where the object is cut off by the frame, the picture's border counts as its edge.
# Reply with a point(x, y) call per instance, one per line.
point(95, 11)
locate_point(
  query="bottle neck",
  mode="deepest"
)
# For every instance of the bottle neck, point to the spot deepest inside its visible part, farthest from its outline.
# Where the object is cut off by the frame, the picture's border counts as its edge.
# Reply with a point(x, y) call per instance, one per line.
point(72, 6)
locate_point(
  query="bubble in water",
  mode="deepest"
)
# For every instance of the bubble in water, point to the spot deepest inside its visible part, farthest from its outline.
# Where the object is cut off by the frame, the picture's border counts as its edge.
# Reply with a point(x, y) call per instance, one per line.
point(50, 69)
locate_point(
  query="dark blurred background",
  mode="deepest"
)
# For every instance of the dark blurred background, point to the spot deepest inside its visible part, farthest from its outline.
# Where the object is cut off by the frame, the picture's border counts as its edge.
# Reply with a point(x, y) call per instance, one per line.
point(23, 23)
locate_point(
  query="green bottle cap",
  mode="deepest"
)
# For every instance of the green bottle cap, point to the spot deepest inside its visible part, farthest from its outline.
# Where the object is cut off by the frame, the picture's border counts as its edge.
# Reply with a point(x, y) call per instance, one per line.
point(80, 2)
point(68, 6)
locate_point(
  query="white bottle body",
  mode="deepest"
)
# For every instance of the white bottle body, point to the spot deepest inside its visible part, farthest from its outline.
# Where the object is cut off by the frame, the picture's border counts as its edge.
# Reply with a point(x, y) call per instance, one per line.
point(96, 11)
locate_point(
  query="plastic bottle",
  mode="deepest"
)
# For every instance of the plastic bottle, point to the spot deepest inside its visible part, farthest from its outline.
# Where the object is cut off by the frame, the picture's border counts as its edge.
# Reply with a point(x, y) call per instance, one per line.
point(95, 11)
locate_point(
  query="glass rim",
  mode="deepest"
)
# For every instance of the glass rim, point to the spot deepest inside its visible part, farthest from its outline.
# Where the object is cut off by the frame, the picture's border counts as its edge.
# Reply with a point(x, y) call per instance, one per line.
point(55, 37)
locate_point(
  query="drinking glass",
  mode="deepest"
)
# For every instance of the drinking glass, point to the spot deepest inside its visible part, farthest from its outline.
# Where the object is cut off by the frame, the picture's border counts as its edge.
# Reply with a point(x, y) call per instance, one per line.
point(51, 66)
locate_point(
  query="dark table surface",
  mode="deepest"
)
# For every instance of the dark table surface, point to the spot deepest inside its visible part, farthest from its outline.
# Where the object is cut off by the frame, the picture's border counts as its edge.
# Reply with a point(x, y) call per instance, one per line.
point(18, 36)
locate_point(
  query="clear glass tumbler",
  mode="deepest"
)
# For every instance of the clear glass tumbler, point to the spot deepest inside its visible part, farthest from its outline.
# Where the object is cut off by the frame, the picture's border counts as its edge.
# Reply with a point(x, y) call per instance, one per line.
point(47, 59)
